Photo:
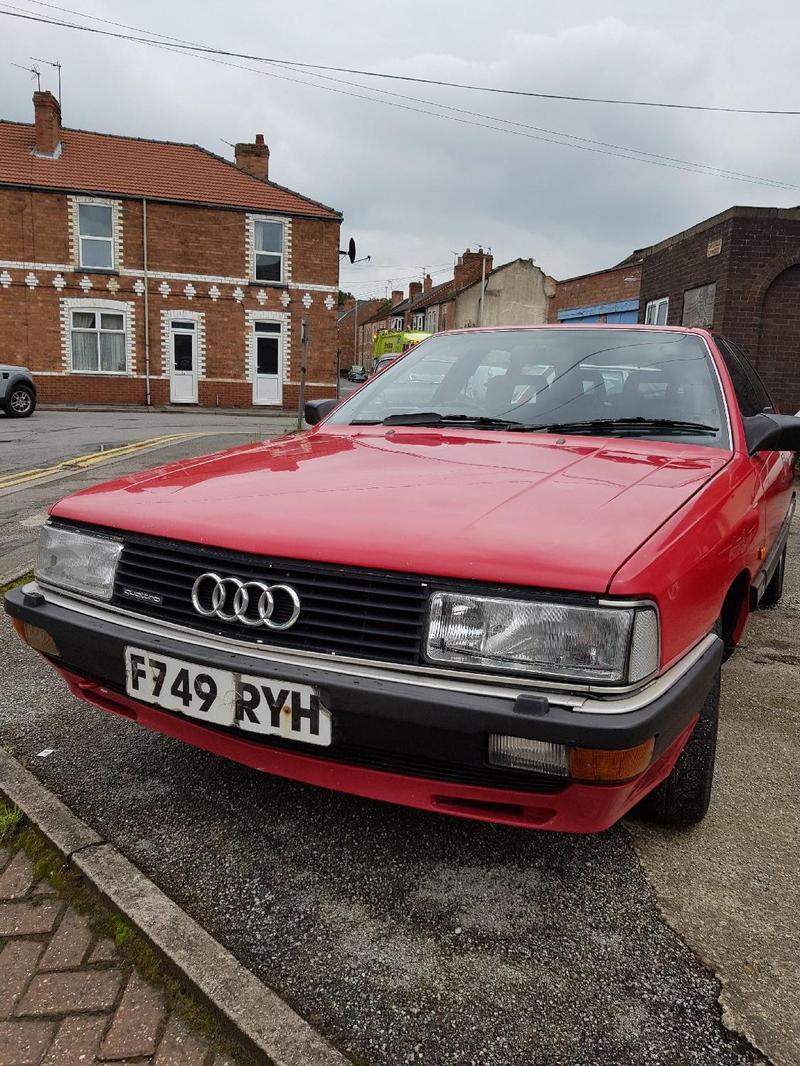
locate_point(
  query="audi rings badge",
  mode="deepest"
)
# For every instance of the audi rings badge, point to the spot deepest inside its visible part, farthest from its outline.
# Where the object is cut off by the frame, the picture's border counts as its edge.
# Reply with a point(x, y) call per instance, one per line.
point(230, 600)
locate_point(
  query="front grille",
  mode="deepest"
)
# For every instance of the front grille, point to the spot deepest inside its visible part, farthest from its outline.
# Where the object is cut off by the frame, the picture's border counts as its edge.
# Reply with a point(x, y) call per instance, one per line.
point(343, 610)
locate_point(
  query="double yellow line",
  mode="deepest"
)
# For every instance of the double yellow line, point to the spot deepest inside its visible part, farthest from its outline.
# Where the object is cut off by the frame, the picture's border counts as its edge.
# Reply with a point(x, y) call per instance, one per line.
point(81, 462)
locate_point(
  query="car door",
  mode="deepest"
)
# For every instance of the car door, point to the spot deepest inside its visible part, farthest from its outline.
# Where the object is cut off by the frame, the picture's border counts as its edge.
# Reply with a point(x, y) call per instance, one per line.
point(775, 469)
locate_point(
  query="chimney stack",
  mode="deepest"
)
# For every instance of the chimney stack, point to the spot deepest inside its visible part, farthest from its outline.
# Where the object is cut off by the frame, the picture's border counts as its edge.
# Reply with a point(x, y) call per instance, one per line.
point(469, 268)
point(253, 159)
point(427, 284)
point(48, 124)
point(414, 289)
point(397, 297)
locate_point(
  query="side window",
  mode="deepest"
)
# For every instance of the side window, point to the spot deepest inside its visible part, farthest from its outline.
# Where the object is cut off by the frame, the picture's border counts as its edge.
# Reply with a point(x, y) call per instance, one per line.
point(750, 392)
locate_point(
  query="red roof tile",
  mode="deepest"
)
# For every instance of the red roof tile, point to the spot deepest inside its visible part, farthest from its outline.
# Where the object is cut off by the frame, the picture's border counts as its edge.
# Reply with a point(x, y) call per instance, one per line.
point(159, 170)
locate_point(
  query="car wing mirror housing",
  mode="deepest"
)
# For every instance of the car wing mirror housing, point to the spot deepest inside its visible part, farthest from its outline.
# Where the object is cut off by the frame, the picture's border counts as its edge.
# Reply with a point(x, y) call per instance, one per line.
point(315, 410)
point(772, 433)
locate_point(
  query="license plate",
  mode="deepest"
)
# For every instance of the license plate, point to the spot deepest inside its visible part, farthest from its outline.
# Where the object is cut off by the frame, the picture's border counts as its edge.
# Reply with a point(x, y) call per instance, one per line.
point(241, 701)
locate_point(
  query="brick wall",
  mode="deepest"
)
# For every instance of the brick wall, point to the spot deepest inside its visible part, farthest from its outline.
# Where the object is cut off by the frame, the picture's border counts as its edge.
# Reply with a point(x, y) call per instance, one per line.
point(756, 269)
point(687, 262)
point(601, 287)
point(38, 272)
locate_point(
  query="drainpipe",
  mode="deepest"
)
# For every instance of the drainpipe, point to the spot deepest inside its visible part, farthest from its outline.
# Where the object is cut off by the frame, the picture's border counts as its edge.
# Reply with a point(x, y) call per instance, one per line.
point(146, 306)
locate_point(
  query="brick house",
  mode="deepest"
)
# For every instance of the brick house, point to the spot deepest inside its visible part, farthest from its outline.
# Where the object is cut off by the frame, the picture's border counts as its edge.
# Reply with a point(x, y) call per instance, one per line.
point(352, 314)
point(603, 296)
point(515, 293)
point(738, 272)
point(138, 271)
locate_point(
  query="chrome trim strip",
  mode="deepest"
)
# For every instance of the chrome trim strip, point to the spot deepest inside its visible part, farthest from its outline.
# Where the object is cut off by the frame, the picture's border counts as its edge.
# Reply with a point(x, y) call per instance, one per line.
point(495, 679)
point(656, 688)
point(451, 682)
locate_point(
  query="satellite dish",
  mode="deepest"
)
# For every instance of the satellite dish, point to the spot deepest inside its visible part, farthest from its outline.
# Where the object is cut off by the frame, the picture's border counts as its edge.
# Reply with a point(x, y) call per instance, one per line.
point(351, 250)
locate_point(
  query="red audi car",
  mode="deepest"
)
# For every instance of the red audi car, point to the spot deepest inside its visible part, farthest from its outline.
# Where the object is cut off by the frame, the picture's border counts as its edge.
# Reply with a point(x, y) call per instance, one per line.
point(498, 581)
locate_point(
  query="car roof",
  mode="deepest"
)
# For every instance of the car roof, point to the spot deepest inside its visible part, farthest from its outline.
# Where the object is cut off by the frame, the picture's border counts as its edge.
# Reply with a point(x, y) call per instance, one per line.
point(560, 327)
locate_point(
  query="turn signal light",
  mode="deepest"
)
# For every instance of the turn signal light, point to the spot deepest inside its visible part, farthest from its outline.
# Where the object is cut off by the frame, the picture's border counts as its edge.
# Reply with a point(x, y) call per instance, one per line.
point(39, 639)
point(600, 764)
point(579, 764)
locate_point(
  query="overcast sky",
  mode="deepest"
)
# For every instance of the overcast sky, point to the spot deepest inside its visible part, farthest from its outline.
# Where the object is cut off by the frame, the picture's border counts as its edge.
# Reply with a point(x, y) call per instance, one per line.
point(414, 188)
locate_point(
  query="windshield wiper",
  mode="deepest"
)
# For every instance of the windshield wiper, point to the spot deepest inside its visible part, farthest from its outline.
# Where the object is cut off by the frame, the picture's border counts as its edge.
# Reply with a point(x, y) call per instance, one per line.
point(435, 418)
point(663, 426)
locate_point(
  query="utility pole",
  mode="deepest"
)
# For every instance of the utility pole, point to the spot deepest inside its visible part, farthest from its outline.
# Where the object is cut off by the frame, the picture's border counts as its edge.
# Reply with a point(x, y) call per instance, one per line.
point(301, 401)
point(355, 337)
point(483, 286)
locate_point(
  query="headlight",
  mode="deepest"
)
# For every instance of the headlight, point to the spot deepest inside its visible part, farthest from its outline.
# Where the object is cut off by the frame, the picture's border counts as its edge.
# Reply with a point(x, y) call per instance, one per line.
point(611, 644)
point(80, 562)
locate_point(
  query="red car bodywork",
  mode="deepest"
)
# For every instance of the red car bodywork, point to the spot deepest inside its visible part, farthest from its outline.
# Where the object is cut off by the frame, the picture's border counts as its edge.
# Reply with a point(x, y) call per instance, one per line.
point(684, 525)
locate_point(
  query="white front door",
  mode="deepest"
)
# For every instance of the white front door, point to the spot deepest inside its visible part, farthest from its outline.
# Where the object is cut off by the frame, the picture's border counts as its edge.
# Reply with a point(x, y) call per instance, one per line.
point(183, 361)
point(268, 368)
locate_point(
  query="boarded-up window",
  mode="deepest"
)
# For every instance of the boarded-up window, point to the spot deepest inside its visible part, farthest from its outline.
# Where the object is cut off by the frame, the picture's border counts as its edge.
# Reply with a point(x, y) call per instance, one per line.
point(698, 306)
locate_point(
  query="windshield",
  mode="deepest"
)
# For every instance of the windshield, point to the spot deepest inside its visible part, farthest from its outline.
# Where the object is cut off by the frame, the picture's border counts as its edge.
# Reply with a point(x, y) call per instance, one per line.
point(636, 383)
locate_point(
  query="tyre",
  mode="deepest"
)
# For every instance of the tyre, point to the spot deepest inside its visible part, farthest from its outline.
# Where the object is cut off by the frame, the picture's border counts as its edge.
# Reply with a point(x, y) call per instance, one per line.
point(20, 402)
point(683, 798)
point(774, 590)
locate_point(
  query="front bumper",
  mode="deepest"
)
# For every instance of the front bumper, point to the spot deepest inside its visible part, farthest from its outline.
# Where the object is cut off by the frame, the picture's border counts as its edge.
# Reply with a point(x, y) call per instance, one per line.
point(403, 738)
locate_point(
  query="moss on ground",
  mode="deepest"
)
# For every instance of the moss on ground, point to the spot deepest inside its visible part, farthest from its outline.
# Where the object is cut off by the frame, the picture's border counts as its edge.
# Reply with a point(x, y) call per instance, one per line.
point(16, 833)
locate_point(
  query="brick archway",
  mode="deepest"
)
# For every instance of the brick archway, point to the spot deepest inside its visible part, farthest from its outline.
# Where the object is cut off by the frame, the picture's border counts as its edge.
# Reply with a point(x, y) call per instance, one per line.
point(779, 337)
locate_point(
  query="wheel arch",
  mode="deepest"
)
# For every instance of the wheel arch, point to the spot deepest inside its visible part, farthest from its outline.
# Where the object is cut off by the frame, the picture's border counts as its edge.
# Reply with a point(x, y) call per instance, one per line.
point(735, 610)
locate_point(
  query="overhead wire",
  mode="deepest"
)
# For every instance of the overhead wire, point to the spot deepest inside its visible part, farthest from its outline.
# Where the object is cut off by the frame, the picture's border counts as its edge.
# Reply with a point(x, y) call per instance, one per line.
point(572, 98)
point(553, 136)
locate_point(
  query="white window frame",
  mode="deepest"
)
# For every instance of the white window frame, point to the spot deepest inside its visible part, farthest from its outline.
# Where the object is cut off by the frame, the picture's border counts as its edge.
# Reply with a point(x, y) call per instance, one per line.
point(653, 312)
point(98, 307)
point(252, 221)
point(397, 322)
point(109, 205)
point(418, 321)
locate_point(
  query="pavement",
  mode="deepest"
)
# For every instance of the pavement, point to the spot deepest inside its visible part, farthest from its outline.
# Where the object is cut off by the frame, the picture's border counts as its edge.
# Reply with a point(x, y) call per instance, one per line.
point(68, 994)
point(406, 937)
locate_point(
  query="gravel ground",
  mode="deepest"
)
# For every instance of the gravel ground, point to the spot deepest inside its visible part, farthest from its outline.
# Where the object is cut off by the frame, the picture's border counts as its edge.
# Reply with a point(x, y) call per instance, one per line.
point(406, 937)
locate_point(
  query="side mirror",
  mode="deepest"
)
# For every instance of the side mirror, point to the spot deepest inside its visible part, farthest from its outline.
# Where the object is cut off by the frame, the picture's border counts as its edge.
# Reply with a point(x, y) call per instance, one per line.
point(772, 433)
point(315, 410)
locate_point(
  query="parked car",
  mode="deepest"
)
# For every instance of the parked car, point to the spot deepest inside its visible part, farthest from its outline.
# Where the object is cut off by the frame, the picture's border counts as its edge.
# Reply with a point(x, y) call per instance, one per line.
point(17, 391)
point(357, 373)
point(518, 613)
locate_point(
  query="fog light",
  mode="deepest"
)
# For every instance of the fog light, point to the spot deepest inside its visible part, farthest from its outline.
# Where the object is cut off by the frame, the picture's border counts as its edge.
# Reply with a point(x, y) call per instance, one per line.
point(519, 753)
point(39, 639)
point(580, 764)
point(599, 764)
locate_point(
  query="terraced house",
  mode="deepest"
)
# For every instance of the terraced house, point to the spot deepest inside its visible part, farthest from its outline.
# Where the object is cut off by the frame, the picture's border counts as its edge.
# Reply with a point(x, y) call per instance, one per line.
point(138, 271)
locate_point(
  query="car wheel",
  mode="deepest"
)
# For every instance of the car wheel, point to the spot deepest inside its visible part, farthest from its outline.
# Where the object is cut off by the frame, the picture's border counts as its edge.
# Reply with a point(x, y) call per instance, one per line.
point(684, 797)
point(774, 590)
point(21, 402)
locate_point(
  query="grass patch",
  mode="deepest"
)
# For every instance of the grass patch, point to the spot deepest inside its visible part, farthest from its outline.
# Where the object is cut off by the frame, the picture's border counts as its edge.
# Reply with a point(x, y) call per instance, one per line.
point(134, 949)
point(10, 817)
point(17, 581)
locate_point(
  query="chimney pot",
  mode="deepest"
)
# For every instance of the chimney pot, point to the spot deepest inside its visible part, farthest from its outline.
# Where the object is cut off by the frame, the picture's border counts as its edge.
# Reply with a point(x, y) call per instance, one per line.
point(253, 159)
point(427, 284)
point(47, 127)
